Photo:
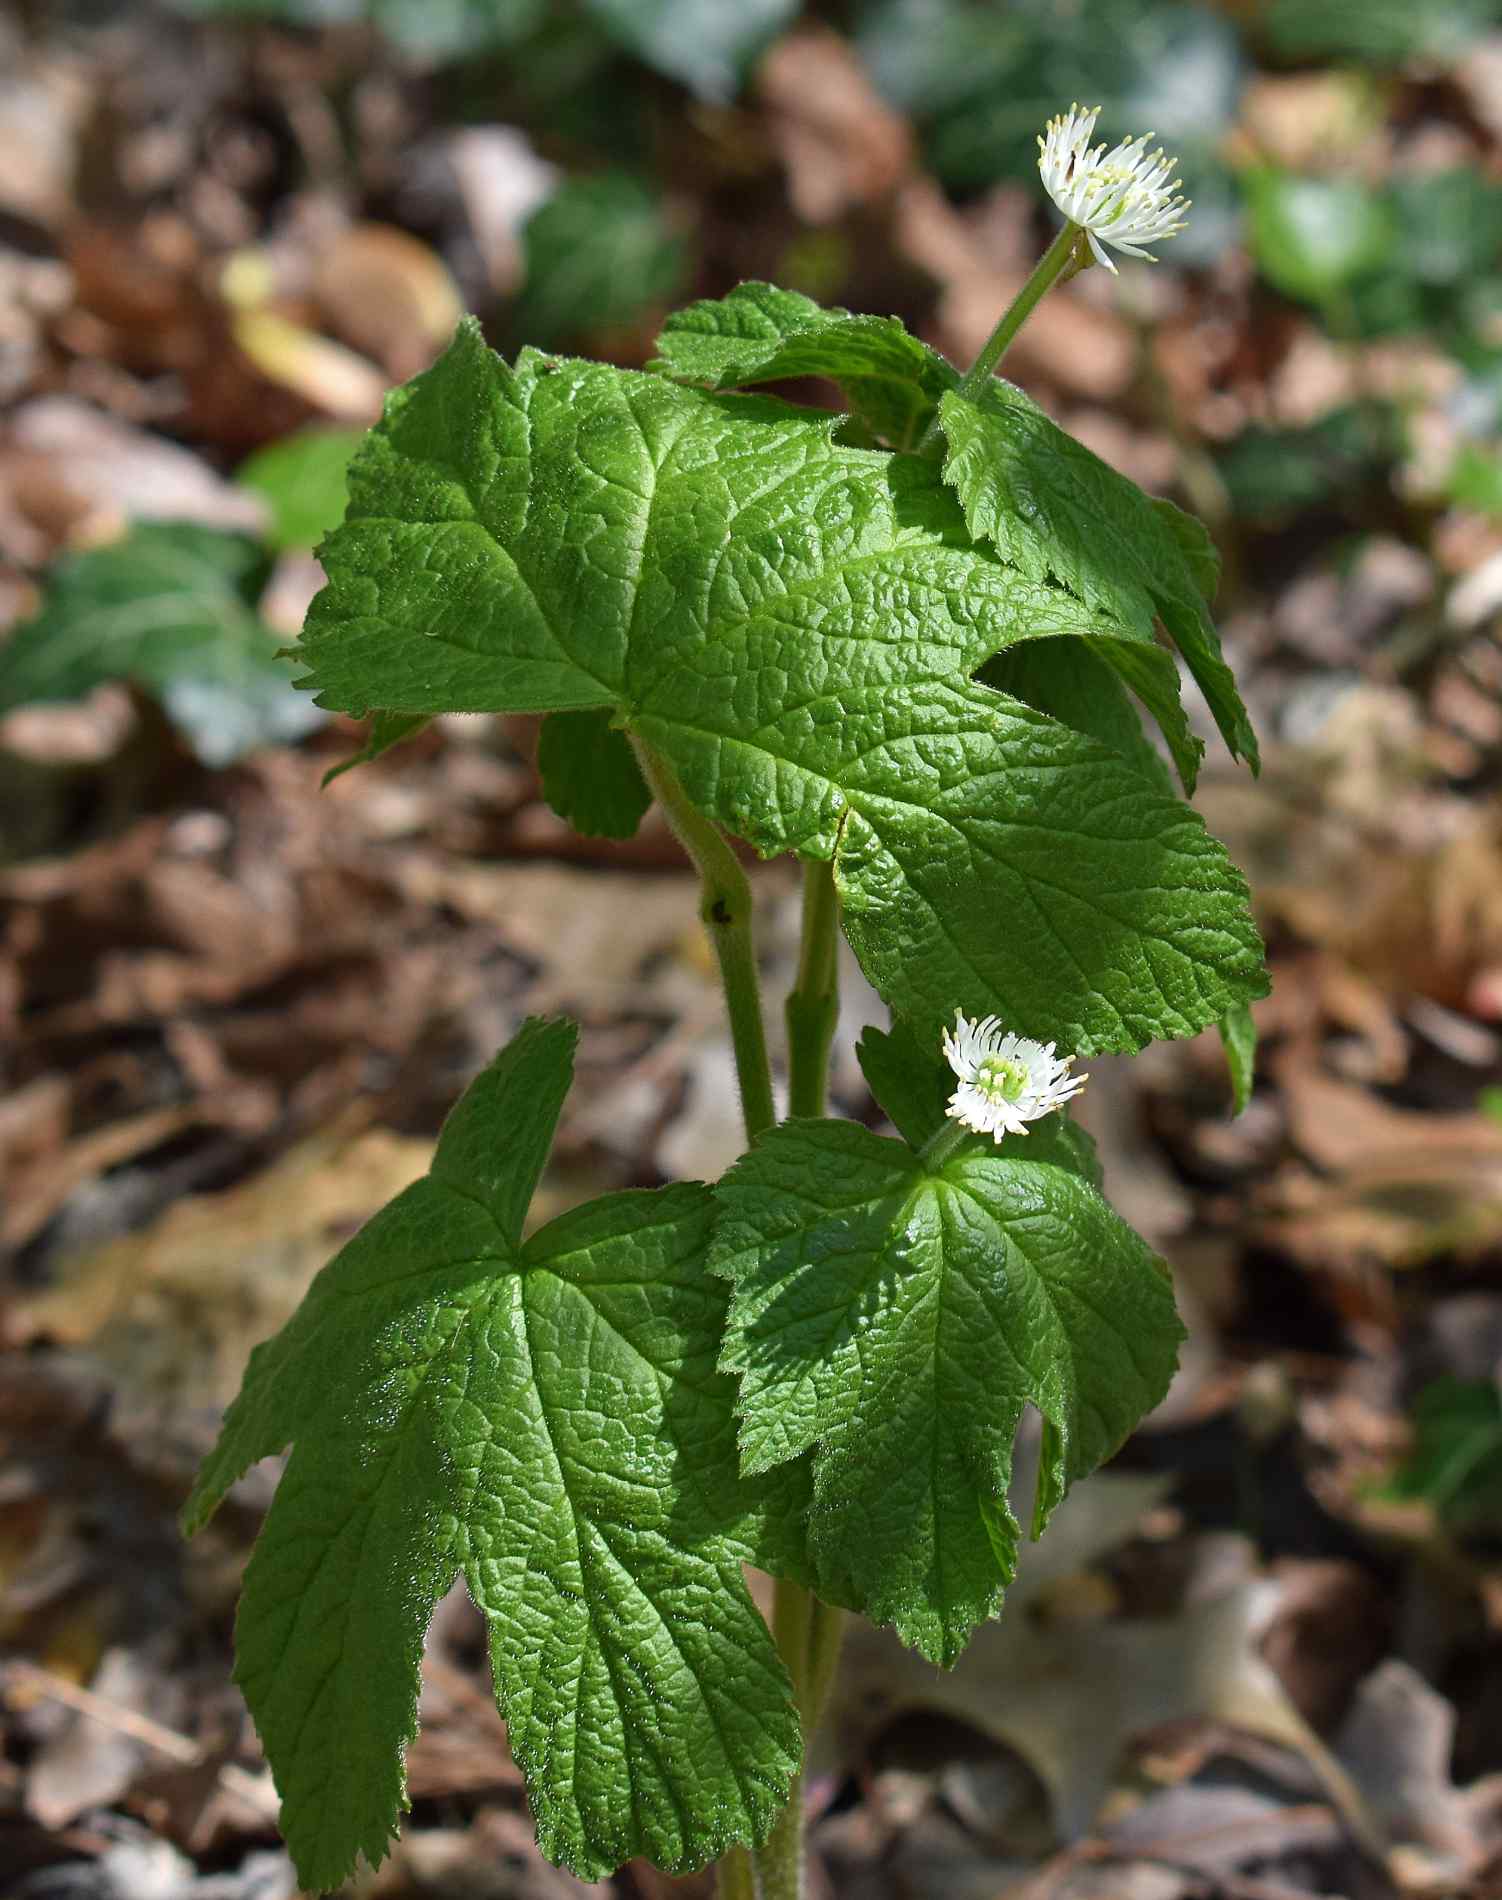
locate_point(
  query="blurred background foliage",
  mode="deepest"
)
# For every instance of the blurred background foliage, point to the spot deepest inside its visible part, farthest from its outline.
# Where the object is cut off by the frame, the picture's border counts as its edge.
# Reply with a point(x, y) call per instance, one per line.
point(351, 175)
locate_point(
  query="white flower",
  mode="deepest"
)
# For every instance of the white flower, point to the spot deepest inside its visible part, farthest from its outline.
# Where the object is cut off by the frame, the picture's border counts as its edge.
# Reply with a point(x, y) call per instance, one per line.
point(1006, 1080)
point(1122, 197)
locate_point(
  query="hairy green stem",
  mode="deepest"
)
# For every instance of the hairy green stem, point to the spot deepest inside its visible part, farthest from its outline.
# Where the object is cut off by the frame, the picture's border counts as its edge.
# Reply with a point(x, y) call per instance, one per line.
point(1055, 262)
point(808, 1635)
point(735, 1876)
point(813, 1003)
point(942, 1144)
point(807, 1632)
point(725, 907)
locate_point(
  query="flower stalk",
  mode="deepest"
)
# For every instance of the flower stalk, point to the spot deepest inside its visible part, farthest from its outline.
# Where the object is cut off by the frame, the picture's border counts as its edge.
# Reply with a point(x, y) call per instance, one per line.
point(725, 909)
point(1125, 198)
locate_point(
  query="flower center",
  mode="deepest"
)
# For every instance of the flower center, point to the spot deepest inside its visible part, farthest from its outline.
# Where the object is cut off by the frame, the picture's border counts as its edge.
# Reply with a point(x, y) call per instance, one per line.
point(999, 1079)
point(1117, 189)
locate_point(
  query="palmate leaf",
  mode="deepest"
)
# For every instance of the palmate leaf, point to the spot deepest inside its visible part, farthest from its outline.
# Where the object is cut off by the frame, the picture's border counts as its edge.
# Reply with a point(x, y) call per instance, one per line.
point(894, 384)
point(896, 1316)
point(1054, 508)
point(760, 334)
point(544, 1416)
point(793, 624)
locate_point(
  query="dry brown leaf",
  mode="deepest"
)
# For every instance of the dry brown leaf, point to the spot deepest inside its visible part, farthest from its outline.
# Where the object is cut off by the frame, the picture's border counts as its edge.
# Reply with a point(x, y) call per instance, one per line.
point(112, 473)
point(1396, 1744)
point(1067, 1695)
point(841, 143)
point(174, 1310)
point(1396, 1187)
point(388, 295)
point(325, 375)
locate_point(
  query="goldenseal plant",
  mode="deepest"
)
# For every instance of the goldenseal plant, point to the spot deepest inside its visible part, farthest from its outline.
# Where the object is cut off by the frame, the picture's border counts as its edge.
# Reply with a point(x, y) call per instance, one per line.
point(905, 643)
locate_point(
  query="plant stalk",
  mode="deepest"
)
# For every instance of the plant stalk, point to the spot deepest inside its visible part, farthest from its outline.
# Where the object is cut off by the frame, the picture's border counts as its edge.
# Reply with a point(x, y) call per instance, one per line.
point(813, 1003)
point(942, 1144)
point(806, 1631)
point(725, 908)
point(1054, 264)
point(735, 1876)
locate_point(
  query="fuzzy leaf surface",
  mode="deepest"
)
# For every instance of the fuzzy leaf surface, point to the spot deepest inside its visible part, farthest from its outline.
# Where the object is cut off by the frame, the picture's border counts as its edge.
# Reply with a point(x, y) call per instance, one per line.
point(544, 1416)
point(1054, 508)
point(897, 1317)
point(760, 334)
point(1080, 689)
point(793, 623)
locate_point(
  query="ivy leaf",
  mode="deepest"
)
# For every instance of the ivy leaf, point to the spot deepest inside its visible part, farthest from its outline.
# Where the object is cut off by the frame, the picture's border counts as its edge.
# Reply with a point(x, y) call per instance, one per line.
point(546, 1417)
point(792, 623)
point(897, 1317)
point(1055, 509)
point(760, 334)
point(590, 776)
point(170, 608)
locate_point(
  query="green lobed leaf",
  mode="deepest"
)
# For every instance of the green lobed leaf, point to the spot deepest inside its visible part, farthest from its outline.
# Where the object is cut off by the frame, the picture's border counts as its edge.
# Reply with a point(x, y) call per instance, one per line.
point(1082, 683)
point(792, 623)
point(907, 1078)
point(760, 334)
point(897, 1316)
point(1056, 509)
point(170, 608)
point(590, 776)
point(546, 1417)
point(386, 730)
